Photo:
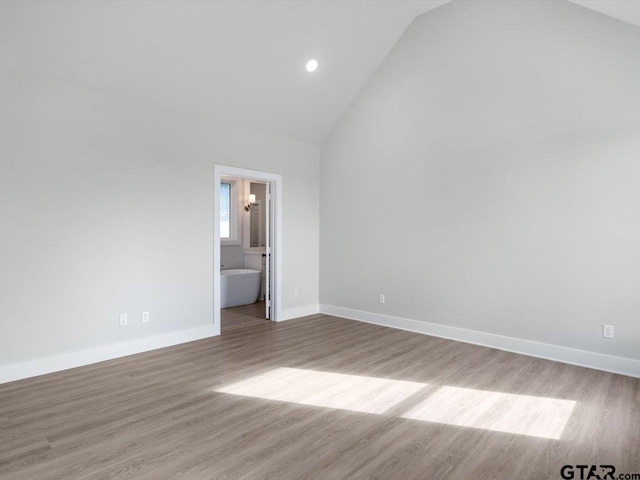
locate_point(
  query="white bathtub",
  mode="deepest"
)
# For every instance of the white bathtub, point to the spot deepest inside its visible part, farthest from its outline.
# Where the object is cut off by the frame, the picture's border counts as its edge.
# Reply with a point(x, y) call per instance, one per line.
point(239, 287)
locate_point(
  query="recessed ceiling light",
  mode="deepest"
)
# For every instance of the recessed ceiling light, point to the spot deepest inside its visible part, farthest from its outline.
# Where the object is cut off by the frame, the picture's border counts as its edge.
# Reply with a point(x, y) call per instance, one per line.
point(312, 65)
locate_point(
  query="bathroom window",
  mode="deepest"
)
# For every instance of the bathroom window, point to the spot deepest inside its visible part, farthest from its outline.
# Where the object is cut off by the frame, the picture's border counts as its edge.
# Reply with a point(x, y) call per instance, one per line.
point(225, 210)
point(230, 212)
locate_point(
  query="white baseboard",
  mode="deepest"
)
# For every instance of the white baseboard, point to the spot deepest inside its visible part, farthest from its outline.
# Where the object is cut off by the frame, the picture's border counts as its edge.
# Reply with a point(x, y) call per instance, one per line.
point(41, 366)
point(297, 312)
point(582, 358)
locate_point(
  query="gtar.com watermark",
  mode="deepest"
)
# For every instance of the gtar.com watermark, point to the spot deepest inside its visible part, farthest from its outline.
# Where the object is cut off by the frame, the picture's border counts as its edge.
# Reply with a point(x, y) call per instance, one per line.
point(595, 472)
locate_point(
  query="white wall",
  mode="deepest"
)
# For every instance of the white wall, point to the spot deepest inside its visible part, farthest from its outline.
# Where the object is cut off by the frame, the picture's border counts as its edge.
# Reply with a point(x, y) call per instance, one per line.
point(106, 207)
point(488, 177)
point(260, 191)
point(232, 256)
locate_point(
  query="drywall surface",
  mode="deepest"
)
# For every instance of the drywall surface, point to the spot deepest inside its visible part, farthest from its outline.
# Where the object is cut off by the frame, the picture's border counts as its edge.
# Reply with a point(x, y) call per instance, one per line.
point(106, 207)
point(488, 177)
point(231, 256)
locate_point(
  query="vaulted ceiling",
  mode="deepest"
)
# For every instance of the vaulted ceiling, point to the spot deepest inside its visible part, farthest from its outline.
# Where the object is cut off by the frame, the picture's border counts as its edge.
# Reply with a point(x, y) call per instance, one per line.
point(239, 63)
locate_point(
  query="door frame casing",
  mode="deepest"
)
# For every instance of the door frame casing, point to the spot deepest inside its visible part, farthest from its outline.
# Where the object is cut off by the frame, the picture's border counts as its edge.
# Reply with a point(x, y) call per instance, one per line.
point(275, 220)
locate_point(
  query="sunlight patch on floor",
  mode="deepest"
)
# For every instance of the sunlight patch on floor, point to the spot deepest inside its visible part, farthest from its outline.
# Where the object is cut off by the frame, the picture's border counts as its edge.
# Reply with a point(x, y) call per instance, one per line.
point(463, 407)
point(499, 412)
point(325, 389)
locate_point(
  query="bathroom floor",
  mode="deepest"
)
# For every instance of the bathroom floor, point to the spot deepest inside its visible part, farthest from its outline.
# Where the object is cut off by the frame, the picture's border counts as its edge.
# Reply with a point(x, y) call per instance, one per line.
point(243, 316)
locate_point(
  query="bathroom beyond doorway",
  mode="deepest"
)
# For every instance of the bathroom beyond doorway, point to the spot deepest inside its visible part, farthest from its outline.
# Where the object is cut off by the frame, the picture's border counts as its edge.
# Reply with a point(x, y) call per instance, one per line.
point(246, 247)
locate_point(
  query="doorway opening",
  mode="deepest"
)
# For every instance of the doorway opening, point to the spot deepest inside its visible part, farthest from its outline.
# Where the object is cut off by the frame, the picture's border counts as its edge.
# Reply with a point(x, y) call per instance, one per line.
point(247, 239)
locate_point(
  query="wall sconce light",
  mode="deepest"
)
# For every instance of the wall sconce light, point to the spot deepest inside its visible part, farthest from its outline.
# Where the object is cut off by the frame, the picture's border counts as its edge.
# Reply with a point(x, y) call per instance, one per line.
point(252, 199)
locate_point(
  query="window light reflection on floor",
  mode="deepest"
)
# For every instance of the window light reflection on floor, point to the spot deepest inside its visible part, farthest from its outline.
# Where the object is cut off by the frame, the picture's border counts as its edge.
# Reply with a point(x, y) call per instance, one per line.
point(463, 407)
point(325, 389)
point(500, 412)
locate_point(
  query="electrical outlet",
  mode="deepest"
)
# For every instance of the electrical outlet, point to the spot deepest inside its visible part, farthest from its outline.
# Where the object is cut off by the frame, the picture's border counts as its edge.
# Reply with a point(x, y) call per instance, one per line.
point(381, 298)
point(123, 319)
point(296, 293)
point(607, 331)
point(145, 317)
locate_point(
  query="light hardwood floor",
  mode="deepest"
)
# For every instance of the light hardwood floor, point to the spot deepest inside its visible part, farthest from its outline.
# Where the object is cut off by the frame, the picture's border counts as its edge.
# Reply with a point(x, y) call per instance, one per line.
point(319, 397)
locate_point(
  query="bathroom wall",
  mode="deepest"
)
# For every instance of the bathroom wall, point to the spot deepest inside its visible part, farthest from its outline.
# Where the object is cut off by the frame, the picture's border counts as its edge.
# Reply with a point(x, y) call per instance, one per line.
point(232, 256)
point(260, 191)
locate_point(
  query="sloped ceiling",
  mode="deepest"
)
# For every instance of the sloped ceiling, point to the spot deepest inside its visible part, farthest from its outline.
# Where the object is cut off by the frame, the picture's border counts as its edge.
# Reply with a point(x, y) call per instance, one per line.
point(240, 63)
point(625, 10)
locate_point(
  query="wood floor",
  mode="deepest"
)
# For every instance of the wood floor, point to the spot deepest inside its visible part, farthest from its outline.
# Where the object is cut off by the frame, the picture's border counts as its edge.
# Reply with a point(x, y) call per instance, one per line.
point(243, 316)
point(314, 398)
